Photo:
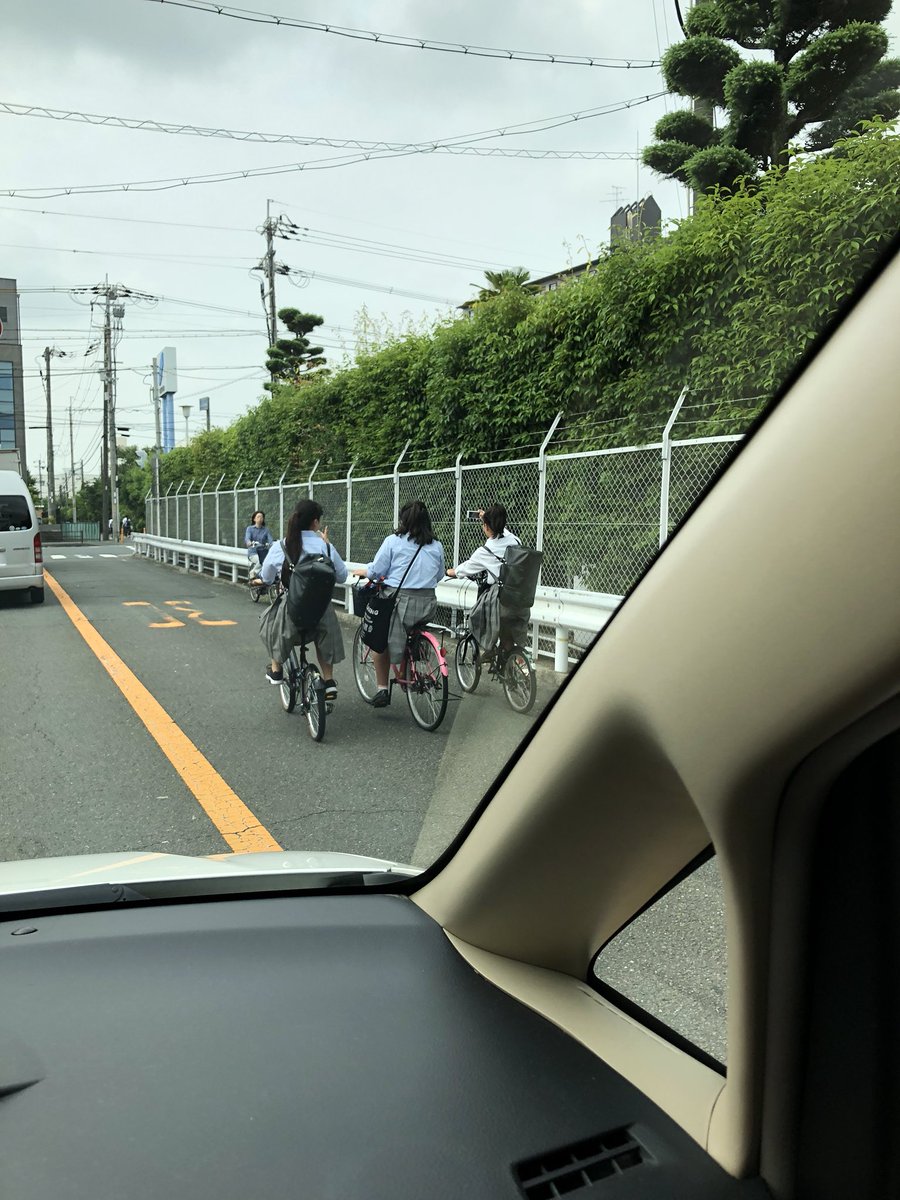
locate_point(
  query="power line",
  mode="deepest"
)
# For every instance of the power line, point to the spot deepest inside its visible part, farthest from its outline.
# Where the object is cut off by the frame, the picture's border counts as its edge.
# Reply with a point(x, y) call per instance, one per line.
point(410, 43)
point(441, 145)
point(458, 146)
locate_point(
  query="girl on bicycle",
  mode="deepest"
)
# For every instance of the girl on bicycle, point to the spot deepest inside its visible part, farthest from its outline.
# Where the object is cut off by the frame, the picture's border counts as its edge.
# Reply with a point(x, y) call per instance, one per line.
point(257, 540)
point(414, 551)
point(489, 621)
point(277, 630)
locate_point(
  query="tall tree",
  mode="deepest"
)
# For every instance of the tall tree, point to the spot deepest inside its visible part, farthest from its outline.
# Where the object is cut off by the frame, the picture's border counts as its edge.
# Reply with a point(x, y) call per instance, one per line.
point(291, 358)
point(825, 71)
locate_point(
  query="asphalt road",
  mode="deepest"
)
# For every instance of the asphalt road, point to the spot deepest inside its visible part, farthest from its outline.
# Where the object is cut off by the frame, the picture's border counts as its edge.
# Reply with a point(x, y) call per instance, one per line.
point(92, 779)
point(81, 774)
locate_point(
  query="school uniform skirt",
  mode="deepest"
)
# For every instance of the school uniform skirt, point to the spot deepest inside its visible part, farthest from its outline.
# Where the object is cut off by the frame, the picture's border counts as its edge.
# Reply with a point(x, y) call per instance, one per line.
point(415, 606)
point(280, 634)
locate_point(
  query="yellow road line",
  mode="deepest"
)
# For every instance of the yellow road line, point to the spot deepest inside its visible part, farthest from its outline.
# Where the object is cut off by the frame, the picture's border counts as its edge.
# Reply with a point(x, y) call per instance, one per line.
point(236, 823)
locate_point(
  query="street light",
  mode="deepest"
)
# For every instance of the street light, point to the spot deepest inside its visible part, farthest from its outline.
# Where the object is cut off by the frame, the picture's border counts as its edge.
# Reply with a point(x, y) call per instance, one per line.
point(186, 409)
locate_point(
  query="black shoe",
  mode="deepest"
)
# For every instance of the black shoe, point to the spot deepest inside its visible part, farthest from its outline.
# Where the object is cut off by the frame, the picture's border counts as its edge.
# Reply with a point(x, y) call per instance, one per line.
point(330, 690)
point(274, 677)
point(382, 698)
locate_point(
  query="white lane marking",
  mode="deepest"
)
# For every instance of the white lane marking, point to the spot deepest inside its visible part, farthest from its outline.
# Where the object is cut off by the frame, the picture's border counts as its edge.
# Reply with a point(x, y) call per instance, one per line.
point(109, 556)
point(57, 556)
point(84, 556)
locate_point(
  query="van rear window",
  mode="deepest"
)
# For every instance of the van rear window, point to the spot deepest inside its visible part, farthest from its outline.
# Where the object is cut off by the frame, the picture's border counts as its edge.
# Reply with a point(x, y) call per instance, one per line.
point(14, 514)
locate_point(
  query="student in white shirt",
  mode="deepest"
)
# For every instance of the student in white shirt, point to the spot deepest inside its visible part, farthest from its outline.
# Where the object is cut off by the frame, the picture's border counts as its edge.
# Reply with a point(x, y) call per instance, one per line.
point(304, 536)
point(488, 559)
point(414, 557)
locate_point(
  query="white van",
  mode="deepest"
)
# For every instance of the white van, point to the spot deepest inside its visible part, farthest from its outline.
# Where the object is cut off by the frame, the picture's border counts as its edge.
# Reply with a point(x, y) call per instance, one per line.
point(21, 556)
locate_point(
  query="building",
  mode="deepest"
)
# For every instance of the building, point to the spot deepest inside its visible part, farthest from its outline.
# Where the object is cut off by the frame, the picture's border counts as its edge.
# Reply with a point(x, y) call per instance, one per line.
point(12, 391)
point(639, 220)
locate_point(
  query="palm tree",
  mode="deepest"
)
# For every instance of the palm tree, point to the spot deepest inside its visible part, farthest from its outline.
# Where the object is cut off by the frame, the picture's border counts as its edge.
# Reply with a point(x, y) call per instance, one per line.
point(506, 281)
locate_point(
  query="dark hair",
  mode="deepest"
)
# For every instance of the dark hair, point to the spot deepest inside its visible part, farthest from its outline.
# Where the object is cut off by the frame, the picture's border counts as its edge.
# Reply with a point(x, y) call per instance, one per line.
point(301, 518)
point(495, 519)
point(415, 523)
point(259, 513)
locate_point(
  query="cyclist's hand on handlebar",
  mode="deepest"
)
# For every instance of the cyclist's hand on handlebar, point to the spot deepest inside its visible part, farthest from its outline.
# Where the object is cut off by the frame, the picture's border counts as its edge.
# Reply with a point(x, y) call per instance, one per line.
point(451, 573)
point(360, 572)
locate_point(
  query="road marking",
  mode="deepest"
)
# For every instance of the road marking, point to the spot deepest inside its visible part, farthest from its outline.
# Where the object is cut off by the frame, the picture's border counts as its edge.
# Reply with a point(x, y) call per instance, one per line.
point(110, 555)
point(57, 556)
point(84, 556)
point(233, 819)
point(196, 614)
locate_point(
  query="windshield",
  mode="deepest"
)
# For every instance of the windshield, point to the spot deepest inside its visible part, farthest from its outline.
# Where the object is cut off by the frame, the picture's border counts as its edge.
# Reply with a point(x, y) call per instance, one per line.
point(351, 423)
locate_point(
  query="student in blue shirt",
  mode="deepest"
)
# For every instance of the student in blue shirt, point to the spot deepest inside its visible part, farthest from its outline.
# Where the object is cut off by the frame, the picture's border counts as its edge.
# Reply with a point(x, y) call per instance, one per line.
point(257, 539)
point(305, 535)
point(414, 551)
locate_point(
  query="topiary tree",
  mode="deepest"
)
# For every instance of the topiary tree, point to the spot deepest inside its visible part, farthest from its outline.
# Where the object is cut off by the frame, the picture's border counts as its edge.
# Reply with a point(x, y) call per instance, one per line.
point(291, 358)
point(826, 73)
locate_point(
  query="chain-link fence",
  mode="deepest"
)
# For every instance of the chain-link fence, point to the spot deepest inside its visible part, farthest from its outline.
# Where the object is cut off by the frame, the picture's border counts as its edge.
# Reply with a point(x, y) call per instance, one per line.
point(599, 516)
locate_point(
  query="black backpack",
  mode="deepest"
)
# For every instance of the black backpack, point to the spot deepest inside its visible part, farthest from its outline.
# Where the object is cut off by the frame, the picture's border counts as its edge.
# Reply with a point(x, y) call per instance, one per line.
point(310, 589)
point(519, 577)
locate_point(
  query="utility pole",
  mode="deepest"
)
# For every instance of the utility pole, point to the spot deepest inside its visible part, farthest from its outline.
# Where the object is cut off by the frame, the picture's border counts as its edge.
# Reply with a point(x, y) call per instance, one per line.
point(40, 480)
point(72, 460)
point(270, 270)
point(104, 465)
point(157, 447)
point(51, 481)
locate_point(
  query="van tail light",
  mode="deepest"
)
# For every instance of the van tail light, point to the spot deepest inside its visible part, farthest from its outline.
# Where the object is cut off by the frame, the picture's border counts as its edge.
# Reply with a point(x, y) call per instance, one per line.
point(38, 549)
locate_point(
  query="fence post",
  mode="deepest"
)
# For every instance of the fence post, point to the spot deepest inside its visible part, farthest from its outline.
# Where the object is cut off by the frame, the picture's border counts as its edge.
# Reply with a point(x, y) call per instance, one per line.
point(256, 490)
point(202, 526)
point(178, 515)
point(457, 522)
point(218, 511)
point(539, 535)
point(397, 483)
point(348, 555)
point(309, 482)
point(667, 468)
point(187, 504)
point(235, 538)
point(281, 502)
point(166, 498)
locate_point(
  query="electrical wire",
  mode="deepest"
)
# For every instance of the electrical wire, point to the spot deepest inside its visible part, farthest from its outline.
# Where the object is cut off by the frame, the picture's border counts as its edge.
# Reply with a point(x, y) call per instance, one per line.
point(411, 43)
point(450, 145)
point(331, 163)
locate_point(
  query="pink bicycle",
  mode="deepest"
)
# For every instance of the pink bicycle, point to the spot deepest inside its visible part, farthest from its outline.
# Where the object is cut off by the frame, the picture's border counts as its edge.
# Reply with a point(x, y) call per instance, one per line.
point(422, 674)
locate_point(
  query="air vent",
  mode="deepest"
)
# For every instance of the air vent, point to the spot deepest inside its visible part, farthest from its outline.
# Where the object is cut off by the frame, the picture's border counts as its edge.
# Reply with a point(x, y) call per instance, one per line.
point(581, 1165)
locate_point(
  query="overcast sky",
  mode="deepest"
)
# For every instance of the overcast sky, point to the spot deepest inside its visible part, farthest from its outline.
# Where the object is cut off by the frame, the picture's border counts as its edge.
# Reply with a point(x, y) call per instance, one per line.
point(138, 59)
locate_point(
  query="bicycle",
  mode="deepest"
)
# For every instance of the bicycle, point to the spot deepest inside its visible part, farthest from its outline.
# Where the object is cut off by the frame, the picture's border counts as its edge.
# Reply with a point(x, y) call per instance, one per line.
point(510, 665)
point(422, 674)
point(303, 681)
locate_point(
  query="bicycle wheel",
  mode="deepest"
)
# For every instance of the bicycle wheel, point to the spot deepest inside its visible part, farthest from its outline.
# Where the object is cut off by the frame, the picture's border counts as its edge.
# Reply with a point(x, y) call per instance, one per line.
point(314, 702)
point(426, 683)
point(519, 682)
point(254, 593)
point(467, 661)
point(288, 687)
point(364, 668)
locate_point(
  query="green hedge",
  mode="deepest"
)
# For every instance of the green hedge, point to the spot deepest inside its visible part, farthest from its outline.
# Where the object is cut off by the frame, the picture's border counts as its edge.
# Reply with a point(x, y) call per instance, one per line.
point(726, 303)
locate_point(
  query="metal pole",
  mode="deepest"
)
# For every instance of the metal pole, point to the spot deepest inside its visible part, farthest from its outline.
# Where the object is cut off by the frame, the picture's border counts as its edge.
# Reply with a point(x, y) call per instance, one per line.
point(51, 481)
point(158, 445)
point(667, 468)
point(187, 504)
point(236, 482)
point(309, 482)
point(281, 502)
point(541, 509)
point(202, 486)
point(218, 485)
point(270, 272)
point(178, 513)
point(166, 498)
point(72, 460)
point(349, 506)
point(113, 439)
point(397, 483)
point(256, 489)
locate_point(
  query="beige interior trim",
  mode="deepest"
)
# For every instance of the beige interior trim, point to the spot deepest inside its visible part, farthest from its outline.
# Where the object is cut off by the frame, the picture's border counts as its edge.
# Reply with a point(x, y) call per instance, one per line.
point(768, 626)
point(681, 1086)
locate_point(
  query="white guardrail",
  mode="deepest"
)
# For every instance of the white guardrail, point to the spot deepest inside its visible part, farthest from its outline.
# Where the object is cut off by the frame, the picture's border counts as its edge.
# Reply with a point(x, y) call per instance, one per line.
point(566, 611)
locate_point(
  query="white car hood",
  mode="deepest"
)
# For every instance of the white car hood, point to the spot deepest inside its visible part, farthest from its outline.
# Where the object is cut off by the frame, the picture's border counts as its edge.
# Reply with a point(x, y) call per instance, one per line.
point(39, 874)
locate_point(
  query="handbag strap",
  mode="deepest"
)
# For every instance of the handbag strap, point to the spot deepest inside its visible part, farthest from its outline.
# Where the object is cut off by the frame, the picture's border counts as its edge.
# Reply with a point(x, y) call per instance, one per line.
point(408, 567)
